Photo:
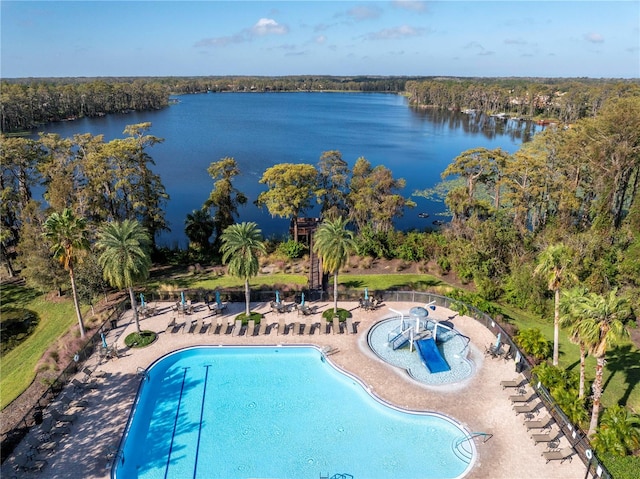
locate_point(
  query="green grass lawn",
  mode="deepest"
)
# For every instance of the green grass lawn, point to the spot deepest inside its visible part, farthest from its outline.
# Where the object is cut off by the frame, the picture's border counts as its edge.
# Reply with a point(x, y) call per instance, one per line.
point(382, 282)
point(622, 371)
point(18, 366)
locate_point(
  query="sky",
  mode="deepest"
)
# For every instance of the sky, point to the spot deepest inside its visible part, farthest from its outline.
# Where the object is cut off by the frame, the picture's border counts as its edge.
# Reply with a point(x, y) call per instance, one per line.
point(597, 39)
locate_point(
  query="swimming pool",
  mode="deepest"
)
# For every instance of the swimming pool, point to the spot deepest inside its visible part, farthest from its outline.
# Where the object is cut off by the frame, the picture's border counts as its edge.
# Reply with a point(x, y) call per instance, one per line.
point(276, 412)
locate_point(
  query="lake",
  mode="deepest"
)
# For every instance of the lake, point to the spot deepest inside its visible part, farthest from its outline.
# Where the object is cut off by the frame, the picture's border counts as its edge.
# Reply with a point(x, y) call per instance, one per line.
point(260, 130)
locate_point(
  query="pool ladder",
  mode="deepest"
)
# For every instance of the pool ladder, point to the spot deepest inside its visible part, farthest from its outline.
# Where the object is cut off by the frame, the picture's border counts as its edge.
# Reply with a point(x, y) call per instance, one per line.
point(462, 449)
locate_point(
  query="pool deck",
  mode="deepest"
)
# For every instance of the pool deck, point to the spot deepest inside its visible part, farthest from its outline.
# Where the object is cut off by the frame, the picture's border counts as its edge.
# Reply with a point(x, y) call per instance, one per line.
point(479, 403)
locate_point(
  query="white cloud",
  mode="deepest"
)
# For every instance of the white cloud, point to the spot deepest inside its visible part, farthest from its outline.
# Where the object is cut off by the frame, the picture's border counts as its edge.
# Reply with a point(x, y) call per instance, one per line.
point(362, 12)
point(515, 41)
point(594, 37)
point(263, 27)
point(403, 31)
point(412, 5)
point(268, 26)
point(320, 39)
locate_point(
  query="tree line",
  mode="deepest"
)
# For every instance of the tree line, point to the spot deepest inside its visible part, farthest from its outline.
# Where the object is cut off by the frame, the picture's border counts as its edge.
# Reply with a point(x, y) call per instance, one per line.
point(27, 103)
point(563, 100)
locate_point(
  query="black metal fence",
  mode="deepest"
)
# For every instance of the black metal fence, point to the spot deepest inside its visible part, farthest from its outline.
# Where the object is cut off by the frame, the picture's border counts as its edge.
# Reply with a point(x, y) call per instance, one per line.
point(574, 434)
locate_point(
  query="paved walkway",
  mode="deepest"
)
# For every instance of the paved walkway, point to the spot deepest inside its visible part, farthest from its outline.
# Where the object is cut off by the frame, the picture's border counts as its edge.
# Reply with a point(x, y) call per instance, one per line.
point(479, 403)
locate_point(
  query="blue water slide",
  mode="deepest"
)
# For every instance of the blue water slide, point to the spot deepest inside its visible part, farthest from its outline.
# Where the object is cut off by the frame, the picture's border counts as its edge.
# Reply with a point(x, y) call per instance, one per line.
point(430, 355)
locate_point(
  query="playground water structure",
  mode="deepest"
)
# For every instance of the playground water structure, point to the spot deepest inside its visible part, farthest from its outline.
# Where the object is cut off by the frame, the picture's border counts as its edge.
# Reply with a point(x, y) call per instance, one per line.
point(431, 351)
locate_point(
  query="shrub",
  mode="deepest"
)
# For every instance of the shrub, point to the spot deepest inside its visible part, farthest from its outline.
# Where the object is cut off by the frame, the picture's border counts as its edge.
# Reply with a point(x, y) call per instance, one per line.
point(343, 314)
point(534, 343)
point(292, 249)
point(253, 315)
point(141, 339)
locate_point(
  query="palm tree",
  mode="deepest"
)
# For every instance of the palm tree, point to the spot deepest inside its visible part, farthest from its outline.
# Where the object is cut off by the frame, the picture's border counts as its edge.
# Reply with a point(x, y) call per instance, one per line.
point(602, 326)
point(198, 227)
point(333, 243)
point(241, 246)
point(68, 234)
point(553, 263)
point(125, 258)
point(570, 318)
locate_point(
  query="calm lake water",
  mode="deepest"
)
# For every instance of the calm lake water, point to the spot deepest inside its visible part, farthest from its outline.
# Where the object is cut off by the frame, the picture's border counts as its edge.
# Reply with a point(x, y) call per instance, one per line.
point(263, 129)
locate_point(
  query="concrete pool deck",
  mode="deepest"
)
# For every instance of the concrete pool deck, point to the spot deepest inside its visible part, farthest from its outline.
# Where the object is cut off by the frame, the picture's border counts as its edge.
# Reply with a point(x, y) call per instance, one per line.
point(479, 403)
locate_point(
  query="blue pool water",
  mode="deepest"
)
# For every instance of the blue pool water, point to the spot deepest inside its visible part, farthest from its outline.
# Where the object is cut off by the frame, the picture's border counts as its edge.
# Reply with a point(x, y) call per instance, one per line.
point(257, 412)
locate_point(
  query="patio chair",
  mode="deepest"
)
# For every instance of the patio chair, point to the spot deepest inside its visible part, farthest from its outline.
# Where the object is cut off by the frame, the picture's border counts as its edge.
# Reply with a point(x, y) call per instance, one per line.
point(308, 325)
point(68, 402)
point(349, 326)
point(63, 418)
point(197, 326)
point(322, 326)
point(171, 325)
point(237, 328)
point(262, 327)
point(251, 328)
point(81, 387)
point(40, 446)
point(50, 428)
point(561, 455)
point(296, 328)
point(282, 326)
point(28, 463)
point(336, 326)
point(514, 383)
point(545, 437)
point(215, 328)
point(525, 408)
point(542, 423)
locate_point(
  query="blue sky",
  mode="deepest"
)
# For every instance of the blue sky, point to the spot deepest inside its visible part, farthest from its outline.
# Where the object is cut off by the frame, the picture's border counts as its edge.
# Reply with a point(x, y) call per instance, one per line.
point(270, 38)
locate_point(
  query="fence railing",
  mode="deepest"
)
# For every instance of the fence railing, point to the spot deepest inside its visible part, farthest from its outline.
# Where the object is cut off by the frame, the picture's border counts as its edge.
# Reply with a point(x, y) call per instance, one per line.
point(574, 434)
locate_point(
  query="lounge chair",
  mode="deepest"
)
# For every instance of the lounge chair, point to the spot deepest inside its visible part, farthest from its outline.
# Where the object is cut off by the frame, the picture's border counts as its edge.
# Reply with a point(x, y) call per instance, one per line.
point(40, 446)
point(308, 325)
point(349, 326)
point(515, 383)
point(538, 423)
point(81, 387)
point(322, 326)
point(546, 437)
point(251, 327)
point(559, 454)
point(50, 428)
point(68, 402)
point(237, 328)
point(198, 326)
point(28, 463)
point(296, 328)
point(170, 325)
point(262, 327)
point(520, 398)
point(336, 326)
point(525, 408)
point(282, 326)
point(63, 418)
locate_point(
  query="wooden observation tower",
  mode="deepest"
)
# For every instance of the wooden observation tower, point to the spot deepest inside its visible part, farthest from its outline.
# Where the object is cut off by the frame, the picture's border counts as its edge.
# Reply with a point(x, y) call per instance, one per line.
point(305, 228)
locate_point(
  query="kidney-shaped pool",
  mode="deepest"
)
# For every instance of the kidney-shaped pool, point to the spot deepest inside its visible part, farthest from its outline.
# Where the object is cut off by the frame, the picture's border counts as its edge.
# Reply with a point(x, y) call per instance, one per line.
point(277, 412)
